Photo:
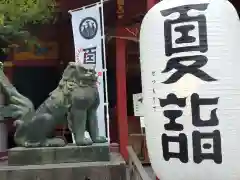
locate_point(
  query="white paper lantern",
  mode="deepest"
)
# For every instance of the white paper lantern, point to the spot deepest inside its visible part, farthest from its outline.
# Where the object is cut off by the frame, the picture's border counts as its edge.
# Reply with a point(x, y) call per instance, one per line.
point(190, 74)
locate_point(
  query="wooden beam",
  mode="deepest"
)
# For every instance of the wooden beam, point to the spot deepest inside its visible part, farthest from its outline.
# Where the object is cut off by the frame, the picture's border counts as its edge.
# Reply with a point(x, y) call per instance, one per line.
point(120, 9)
point(36, 63)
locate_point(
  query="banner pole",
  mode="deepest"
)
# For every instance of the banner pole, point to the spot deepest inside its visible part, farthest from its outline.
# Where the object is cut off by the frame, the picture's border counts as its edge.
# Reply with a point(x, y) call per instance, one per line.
point(105, 70)
point(89, 5)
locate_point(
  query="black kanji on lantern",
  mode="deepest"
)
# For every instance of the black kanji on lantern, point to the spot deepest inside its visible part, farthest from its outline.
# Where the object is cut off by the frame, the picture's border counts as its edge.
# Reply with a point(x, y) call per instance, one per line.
point(182, 154)
point(153, 73)
point(172, 115)
point(214, 147)
point(90, 55)
point(194, 68)
point(184, 24)
point(196, 102)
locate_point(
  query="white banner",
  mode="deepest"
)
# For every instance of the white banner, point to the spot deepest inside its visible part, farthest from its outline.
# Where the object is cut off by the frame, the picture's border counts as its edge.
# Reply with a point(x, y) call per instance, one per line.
point(87, 24)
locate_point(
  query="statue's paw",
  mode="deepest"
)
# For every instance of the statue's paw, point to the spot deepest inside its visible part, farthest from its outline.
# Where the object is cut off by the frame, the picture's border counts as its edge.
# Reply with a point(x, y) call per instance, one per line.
point(32, 144)
point(18, 123)
point(55, 142)
point(84, 142)
point(100, 139)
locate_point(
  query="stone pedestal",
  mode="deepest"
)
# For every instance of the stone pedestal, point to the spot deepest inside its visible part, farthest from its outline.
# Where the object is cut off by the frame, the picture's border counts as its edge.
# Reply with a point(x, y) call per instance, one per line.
point(111, 170)
point(3, 138)
point(3, 132)
point(68, 154)
point(66, 163)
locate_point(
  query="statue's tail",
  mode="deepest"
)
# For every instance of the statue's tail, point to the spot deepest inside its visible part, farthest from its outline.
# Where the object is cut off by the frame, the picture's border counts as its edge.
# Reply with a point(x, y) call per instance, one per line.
point(16, 105)
point(8, 90)
point(6, 87)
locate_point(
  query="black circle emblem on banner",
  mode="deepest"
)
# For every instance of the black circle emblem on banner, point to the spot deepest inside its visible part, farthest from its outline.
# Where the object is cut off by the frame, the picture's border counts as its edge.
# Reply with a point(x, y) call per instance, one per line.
point(88, 28)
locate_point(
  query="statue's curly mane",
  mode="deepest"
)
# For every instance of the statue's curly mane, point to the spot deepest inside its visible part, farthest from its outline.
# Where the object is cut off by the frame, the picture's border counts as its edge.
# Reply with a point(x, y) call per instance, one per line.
point(74, 76)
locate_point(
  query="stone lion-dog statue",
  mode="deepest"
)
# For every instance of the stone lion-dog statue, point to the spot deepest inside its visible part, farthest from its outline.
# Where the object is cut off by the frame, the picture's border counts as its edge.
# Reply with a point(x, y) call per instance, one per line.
point(74, 101)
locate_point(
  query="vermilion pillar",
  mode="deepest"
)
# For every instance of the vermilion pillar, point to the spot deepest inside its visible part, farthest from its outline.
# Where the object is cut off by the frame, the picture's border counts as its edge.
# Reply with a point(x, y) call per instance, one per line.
point(121, 95)
point(151, 3)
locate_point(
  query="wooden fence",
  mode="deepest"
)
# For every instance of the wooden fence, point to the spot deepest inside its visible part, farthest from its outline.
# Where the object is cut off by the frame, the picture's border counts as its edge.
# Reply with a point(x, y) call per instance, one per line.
point(136, 170)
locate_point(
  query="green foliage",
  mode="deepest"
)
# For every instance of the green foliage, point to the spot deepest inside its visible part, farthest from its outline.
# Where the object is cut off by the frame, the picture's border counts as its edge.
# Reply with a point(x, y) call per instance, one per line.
point(16, 14)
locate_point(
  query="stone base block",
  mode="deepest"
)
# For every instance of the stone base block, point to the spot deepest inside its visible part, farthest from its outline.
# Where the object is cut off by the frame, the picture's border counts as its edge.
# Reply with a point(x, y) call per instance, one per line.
point(115, 169)
point(69, 154)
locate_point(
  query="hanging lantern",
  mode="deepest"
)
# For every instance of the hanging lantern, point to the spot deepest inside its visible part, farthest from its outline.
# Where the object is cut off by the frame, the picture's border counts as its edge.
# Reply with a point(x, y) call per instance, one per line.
point(189, 53)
